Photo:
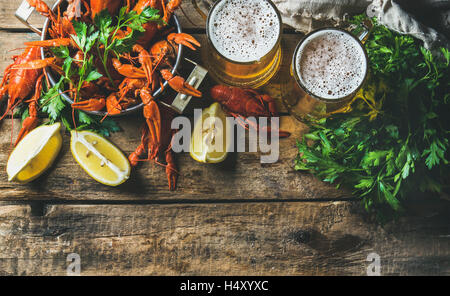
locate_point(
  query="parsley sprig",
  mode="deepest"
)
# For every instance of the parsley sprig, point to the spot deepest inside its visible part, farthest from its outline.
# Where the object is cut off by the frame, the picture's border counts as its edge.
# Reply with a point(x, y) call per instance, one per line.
point(58, 109)
point(108, 40)
point(102, 36)
point(52, 102)
point(85, 39)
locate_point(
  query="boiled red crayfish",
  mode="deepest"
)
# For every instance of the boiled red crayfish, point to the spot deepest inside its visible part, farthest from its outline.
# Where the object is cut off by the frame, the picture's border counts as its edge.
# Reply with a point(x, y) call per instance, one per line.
point(137, 73)
point(61, 25)
point(19, 80)
point(112, 5)
point(25, 75)
point(143, 81)
point(151, 29)
point(155, 137)
point(164, 53)
point(155, 140)
point(155, 61)
point(243, 103)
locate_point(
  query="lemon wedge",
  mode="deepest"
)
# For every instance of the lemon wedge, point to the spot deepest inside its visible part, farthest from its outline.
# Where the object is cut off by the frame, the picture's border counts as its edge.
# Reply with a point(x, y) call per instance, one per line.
point(101, 159)
point(35, 153)
point(209, 143)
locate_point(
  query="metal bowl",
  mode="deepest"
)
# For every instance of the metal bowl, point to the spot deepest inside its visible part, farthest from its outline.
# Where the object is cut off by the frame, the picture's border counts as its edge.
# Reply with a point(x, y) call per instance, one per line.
point(173, 22)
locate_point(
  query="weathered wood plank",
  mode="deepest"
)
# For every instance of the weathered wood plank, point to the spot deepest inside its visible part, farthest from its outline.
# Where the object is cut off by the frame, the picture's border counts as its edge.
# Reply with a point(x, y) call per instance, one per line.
point(241, 176)
point(301, 238)
point(9, 21)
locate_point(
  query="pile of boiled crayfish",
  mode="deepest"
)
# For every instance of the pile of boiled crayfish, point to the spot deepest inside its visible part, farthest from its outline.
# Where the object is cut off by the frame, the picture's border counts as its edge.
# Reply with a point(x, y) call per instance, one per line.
point(137, 74)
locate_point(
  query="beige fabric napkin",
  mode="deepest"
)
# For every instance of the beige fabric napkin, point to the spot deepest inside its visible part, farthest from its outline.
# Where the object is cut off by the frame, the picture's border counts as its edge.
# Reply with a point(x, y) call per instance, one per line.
point(408, 17)
point(428, 20)
point(307, 15)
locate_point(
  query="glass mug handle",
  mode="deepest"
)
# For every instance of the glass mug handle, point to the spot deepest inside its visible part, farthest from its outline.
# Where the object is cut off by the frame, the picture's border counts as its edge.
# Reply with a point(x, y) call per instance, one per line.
point(367, 27)
point(207, 4)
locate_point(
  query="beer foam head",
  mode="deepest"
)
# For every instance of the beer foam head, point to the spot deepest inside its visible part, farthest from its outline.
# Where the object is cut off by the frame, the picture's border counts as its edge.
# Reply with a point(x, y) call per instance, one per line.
point(244, 30)
point(331, 64)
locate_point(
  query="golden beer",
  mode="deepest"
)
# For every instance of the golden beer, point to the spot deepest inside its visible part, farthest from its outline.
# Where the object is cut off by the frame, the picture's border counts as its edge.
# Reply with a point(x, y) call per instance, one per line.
point(243, 42)
point(328, 68)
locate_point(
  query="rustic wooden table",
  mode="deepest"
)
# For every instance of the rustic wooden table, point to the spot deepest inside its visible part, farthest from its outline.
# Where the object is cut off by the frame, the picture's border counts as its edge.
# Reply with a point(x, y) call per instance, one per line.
point(235, 218)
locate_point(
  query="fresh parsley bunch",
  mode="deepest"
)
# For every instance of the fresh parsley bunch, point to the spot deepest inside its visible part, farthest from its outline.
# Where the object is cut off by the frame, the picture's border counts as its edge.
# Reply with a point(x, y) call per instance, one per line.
point(109, 28)
point(101, 36)
point(51, 101)
point(58, 109)
point(394, 142)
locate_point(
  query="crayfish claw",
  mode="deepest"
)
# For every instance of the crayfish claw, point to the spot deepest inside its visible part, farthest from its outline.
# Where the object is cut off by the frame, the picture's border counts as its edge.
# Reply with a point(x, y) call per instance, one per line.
point(113, 105)
point(52, 42)
point(35, 64)
point(90, 105)
point(178, 84)
point(184, 39)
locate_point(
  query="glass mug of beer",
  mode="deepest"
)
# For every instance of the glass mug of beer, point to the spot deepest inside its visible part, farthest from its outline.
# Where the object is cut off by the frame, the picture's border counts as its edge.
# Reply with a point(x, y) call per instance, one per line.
point(328, 68)
point(244, 39)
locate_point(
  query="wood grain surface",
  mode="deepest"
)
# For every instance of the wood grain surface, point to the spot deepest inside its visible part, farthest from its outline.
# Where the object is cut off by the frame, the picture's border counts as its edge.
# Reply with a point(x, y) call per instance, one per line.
point(239, 217)
point(274, 238)
point(241, 176)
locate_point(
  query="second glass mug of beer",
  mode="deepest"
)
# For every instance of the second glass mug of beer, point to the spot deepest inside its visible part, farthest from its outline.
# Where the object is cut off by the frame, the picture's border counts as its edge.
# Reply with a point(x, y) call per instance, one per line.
point(329, 66)
point(244, 39)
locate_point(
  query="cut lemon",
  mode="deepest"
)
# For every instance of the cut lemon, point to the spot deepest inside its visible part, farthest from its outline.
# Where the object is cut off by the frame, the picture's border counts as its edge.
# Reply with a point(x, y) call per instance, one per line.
point(209, 143)
point(101, 159)
point(35, 153)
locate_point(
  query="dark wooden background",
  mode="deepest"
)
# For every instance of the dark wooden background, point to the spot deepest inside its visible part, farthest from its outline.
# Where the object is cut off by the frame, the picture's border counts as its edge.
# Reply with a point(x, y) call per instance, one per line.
point(235, 218)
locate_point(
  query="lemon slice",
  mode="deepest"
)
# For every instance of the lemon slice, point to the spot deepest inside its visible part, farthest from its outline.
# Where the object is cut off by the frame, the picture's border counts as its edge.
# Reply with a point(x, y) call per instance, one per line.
point(35, 153)
point(101, 159)
point(209, 143)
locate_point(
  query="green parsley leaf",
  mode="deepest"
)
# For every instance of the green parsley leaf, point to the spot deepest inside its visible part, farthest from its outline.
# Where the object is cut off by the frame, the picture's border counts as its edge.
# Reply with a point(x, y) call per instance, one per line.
point(61, 52)
point(52, 103)
point(93, 75)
